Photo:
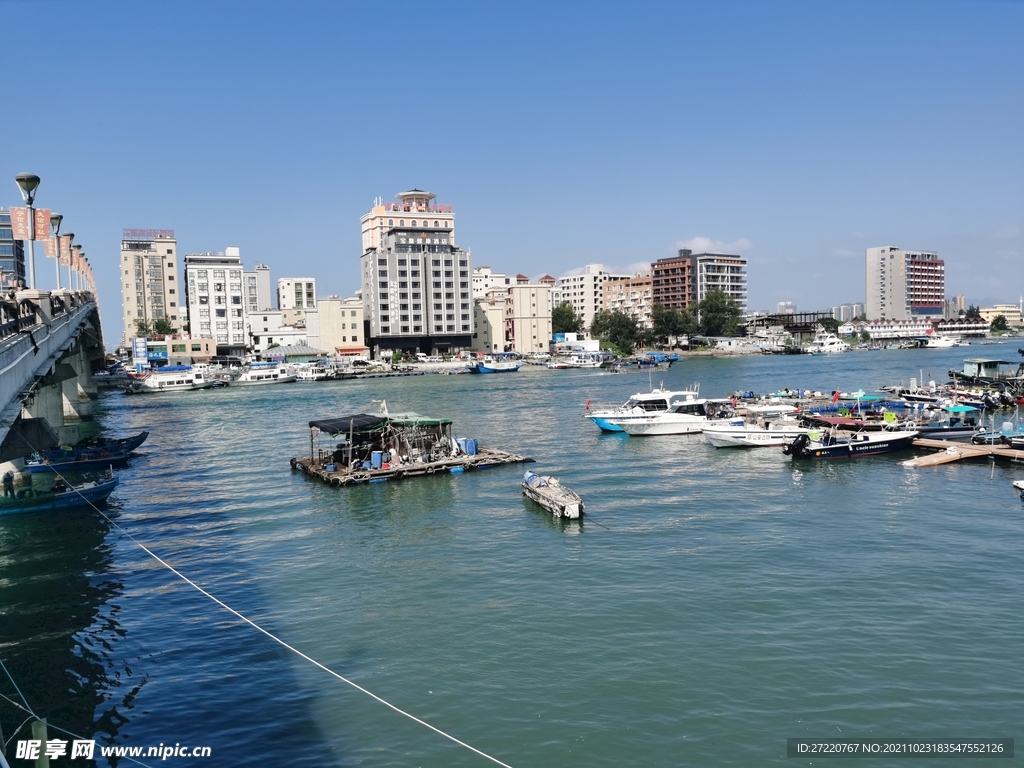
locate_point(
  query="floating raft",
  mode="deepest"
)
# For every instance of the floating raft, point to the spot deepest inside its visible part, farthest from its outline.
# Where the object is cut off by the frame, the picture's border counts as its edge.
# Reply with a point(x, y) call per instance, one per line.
point(343, 476)
point(949, 452)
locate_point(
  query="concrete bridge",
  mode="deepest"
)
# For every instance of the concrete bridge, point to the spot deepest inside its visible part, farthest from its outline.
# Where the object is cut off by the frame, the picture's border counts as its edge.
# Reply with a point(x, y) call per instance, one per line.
point(50, 342)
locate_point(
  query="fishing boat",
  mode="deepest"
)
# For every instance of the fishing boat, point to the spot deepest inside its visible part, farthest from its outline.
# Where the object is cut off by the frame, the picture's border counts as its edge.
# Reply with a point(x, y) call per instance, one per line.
point(640, 405)
point(687, 418)
point(497, 363)
point(771, 425)
point(834, 444)
point(263, 373)
point(170, 378)
point(552, 495)
point(94, 445)
point(59, 497)
point(81, 461)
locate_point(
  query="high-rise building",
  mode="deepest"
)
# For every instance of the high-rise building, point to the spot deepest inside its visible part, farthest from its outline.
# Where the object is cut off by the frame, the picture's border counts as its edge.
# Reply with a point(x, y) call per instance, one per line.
point(673, 281)
point(528, 318)
point(904, 285)
point(682, 281)
point(631, 296)
point(257, 289)
point(416, 282)
point(149, 282)
point(215, 306)
point(584, 291)
point(12, 253)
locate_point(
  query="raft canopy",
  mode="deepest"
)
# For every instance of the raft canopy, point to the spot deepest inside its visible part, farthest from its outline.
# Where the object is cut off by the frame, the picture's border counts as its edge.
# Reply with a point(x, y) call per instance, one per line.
point(360, 422)
point(416, 420)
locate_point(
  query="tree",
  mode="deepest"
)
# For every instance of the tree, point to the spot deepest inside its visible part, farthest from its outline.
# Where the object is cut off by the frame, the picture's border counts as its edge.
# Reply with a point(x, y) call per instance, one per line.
point(865, 336)
point(142, 328)
point(830, 324)
point(719, 314)
point(670, 322)
point(616, 327)
point(565, 320)
point(973, 312)
point(999, 323)
point(163, 326)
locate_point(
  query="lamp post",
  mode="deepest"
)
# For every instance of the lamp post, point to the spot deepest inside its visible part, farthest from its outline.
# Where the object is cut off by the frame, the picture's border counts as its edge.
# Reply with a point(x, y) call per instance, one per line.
point(71, 238)
point(78, 277)
point(29, 182)
point(55, 220)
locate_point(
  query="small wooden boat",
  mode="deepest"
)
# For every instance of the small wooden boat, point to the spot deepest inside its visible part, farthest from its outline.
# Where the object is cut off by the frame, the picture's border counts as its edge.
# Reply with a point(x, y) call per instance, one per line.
point(95, 445)
point(552, 495)
point(84, 461)
point(59, 497)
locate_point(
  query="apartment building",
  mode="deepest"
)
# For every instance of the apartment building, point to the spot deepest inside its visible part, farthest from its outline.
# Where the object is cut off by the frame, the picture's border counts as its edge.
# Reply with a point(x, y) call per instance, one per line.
point(149, 280)
point(215, 299)
point(903, 284)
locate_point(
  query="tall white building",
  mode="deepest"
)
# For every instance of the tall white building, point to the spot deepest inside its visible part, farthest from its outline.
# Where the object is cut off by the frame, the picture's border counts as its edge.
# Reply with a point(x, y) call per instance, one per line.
point(528, 318)
point(216, 309)
point(721, 272)
point(584, 291)
point(904, 285)
point(295, 295)
point(257, 289)
point(149, 282)
point(416, 285)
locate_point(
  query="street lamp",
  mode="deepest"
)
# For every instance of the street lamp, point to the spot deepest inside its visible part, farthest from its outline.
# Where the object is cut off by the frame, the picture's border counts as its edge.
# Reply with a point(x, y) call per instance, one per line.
point(55, 220)
point(71, 238)
point(29, 182)
point(78, 256)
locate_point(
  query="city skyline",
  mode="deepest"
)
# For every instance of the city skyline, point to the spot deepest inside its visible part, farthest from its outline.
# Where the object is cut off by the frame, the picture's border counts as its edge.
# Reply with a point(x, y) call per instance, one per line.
point(796, 136)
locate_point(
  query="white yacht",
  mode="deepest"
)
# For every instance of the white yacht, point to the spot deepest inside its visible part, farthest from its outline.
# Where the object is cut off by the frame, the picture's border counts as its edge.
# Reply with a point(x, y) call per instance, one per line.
point(769, 425)
point(686, 418)
point(936, 341)
point(826, 344)
point(170, 378)
point(640, 405)
point(263, 373)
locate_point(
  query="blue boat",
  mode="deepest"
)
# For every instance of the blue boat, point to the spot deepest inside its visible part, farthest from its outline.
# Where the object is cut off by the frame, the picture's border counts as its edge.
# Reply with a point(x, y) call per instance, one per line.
point(86, 494)
point(499, 362)
point(95, 446)
point(84, 461)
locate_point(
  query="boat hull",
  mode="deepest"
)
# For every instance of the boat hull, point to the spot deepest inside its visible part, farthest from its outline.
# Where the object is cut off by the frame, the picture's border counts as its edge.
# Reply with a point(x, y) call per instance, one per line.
point(552, 496)
point(857, 445)
point(495, 368)
point(82, 464)
point(76, 497)
point(729, 436)
point(684, 426)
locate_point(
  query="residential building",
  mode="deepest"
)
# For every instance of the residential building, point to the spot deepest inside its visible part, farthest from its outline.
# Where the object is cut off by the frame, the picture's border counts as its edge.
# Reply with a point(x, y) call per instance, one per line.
point(336, 325)
point(904, 285)
point(681, 281)
point(954, 307)
point(267, 330)
point(489, 323)
point(528, 318)
point(149, 280)
point(294, 296)
point(845, 312)
point(631, 296)
point(1011, 312)
point(12, 253)
point(416, 285)
point(673, 281)
point(176, 351)
point(485, 281)
point(257, 289)
point(214, 290)
point(583, 291)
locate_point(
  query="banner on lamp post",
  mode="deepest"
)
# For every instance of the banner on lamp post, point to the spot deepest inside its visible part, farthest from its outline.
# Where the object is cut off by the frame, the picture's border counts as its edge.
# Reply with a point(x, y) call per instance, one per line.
point(50, 247)
point(19, 223)
point(65, 250)
point(42, 223)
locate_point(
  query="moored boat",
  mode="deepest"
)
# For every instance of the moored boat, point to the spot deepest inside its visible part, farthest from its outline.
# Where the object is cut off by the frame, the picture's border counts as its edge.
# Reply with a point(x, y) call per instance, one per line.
point(497, 363)
point(833, 444)
point(1019, 485)
point(170, 378)
point(263, 373)
point(58, 497)
point(640, 405)
point(96, 445)
point(686, 418)
point(552, 495)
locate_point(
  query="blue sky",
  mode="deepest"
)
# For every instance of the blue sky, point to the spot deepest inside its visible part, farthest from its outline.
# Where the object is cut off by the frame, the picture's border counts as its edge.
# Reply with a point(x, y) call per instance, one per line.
point(797, 133)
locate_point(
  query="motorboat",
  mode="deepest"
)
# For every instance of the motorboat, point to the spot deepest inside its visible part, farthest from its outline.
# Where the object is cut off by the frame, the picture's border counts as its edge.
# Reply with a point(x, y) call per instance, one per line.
point(170, 378)
point(686, 418)
point(1019, 485)
point(826, 344)
point(640, 405)
point(835, 444)
point(552, 495)
point(497, 363)
point(60, 496)
point(937, 341)
point(263, 373)
point(771, 425)
point(314, 373)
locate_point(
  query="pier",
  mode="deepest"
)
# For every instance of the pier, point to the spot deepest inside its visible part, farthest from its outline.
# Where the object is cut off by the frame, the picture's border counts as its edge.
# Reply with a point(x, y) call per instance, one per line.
point(948, 452)
point(346, 476)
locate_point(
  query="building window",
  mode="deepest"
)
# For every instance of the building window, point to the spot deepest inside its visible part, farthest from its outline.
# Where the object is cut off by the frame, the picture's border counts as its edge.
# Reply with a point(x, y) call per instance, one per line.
point(401, 222)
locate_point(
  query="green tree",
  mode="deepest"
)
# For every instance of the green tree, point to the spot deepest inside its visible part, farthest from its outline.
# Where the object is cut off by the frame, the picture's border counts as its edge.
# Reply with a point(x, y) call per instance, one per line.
point(719, 314)
point(565, 320)
point(830, 324)
point(999, 323)
point(865, 336)
point(616, 327)
point(142, 328)
point(163, 326)
point(973, 312)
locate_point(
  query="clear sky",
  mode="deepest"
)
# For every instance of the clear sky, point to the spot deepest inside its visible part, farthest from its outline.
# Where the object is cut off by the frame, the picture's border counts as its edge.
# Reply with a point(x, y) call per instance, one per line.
point(795, 133)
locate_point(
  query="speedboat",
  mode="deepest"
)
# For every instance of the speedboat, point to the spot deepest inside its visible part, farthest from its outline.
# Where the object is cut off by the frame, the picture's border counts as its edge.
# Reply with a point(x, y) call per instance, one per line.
point(640, 405)
point(771, 425)
point(687, 418)
point(833, 444)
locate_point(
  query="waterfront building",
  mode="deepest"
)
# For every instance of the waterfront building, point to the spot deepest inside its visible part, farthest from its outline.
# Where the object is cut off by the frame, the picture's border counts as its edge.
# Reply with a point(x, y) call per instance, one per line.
point(1011, 312)
point(683, 280)
point(416, 284)
point(485, 281)
point(673, 281)
point(904, 285)
point(527, 318)
point(294, 296)
point(583, 291)
point(489, 322)
point(336, 325)
point(214, 293)
point(12, 253)
point(257, 289)
point(149, 280)
point(631, 296)
point(179, 351)
point(267, 330)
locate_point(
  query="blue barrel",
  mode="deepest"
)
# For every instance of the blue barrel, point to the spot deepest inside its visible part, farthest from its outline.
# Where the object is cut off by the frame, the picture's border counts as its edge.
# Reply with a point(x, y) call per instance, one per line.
point(377, 459)
point(462, 444)
point(471, 446)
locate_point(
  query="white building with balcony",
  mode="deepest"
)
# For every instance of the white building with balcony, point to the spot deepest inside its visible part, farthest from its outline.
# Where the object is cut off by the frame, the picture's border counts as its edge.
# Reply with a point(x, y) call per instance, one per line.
point(213, 286)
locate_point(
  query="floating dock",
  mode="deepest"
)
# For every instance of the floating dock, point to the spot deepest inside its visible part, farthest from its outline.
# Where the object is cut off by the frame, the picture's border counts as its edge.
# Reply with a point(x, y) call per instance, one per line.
point(949, 452)
point(344, 476)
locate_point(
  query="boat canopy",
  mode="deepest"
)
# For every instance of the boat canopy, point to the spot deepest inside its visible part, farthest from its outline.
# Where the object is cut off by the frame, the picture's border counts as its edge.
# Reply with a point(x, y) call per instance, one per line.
point(360, 422)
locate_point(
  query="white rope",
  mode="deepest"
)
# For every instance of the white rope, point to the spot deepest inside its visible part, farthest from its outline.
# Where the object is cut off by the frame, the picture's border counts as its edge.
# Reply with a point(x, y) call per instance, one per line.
point(278, 640)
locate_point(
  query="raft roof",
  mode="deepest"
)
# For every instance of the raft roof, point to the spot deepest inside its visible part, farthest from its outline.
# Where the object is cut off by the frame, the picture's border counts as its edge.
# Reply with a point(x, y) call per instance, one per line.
point(359, 422)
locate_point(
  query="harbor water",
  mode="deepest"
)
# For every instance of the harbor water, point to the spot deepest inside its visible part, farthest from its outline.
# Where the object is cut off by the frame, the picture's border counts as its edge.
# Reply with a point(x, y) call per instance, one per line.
point(713, 603)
